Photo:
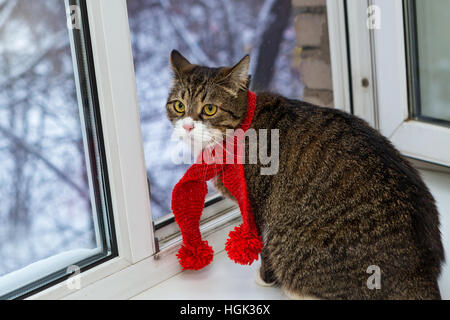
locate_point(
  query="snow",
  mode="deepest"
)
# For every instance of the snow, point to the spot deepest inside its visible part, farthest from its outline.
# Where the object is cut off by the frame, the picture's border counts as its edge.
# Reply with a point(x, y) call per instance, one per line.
point(43, 268)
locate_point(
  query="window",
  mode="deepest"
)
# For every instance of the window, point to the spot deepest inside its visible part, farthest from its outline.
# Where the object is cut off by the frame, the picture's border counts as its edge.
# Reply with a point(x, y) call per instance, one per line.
point(55, 211)
point(399, 71)
point(429, 60)
point(212, 33)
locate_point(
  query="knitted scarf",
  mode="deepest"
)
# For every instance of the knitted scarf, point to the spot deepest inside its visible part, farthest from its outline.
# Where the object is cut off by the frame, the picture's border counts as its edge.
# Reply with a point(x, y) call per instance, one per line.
point(188, 197)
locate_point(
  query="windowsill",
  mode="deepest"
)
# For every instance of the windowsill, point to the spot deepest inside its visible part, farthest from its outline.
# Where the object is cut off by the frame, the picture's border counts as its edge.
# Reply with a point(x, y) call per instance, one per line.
point(222, 279)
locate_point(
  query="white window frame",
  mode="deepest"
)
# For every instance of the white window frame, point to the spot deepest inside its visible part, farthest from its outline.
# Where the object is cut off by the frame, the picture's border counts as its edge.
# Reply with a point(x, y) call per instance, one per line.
point(138, 265)
point(379, 56)
point(337, 34)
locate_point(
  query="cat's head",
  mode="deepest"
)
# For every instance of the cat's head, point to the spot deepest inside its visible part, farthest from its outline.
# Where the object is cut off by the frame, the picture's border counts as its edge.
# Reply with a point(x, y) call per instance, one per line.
point(204, 102)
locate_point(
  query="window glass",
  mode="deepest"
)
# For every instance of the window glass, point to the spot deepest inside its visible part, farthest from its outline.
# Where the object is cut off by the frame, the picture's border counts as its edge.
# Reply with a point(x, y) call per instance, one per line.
point(430, 59)
point(213, 33)
point(54, 207)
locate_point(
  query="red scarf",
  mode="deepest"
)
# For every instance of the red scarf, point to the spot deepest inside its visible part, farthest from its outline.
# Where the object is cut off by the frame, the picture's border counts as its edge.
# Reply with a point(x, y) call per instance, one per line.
point(188, 198)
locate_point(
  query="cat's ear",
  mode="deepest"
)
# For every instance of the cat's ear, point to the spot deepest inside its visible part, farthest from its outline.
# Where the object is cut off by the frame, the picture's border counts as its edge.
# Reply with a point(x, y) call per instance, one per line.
point(178, 62)
point(238, 75)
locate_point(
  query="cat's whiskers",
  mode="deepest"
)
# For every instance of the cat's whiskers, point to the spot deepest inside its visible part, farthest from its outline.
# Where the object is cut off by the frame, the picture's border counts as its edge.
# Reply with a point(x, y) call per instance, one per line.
point(220, 143)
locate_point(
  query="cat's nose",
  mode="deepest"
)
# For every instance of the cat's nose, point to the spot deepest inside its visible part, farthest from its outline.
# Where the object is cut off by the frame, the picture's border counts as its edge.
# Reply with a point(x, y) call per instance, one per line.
point(188, 127)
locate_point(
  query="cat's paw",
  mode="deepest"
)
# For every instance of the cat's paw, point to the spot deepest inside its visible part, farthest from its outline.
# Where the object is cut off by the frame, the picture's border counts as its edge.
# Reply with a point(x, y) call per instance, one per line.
point(296, 295)
point(260, 282)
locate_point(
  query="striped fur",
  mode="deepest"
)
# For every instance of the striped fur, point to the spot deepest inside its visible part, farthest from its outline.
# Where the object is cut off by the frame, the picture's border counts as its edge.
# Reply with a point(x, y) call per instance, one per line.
point(343, 200)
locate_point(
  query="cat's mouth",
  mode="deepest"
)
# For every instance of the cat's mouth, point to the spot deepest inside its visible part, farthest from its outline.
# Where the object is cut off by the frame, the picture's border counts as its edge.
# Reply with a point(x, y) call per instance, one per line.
point(199, 136)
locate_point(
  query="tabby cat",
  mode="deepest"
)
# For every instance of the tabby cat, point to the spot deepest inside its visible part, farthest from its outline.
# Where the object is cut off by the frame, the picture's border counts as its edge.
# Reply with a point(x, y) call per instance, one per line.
point(343, 204)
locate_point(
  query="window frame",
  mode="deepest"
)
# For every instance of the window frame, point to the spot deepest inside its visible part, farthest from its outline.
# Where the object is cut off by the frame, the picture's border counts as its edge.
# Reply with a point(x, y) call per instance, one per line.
point(339, 61)
point(113, 64)
point(414, 81)
point(98, 183)
point(380, 56)
point(141, 262)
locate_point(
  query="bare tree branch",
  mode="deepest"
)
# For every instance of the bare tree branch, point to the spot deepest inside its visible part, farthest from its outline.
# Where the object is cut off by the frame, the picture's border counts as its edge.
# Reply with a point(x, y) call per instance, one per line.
point(264, 18)
point(6, 11)
point(81, 191)
point(270, 44)
point(229, 31)
point(180, 29)
point(59, 41)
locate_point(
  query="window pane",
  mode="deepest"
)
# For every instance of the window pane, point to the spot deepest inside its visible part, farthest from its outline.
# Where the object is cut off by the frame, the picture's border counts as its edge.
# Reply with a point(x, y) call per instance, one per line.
point(431, 58)
point(54, 209)
point(213, 33)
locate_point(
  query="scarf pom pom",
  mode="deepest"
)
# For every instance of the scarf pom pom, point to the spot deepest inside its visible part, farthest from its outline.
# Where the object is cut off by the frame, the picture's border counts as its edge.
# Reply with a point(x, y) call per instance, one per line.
point(243, 246)
point(195, 258)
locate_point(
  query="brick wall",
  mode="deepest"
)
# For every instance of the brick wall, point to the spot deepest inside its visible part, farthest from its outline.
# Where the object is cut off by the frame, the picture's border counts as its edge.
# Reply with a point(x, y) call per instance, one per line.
point(312, 40)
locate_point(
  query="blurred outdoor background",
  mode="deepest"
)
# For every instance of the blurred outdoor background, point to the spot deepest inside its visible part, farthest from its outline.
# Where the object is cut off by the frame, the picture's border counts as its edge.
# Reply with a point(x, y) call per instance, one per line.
point(208, 32)
point(45, 204)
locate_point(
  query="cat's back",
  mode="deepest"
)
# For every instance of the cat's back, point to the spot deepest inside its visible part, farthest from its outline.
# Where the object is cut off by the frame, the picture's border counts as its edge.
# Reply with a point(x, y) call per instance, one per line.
point(315, 130)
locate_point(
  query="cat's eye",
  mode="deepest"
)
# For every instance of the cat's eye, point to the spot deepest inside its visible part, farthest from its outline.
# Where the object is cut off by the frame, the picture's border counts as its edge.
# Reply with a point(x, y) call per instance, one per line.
point(179, 106)
point(210, 109)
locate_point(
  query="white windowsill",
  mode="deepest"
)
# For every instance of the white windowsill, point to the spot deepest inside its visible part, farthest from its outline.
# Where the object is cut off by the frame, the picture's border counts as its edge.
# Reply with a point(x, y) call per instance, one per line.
point(222, 279)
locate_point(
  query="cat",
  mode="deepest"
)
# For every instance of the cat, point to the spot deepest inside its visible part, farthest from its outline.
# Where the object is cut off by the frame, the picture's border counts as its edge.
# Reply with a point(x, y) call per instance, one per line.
point(343, 204)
